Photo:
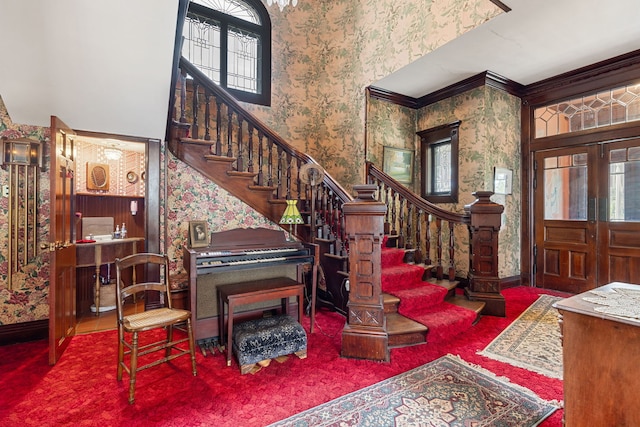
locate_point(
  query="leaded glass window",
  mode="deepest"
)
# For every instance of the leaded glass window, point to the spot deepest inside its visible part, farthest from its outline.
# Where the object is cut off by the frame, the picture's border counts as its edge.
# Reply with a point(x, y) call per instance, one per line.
point(439, 161)
point(605, 108)
point(230, 41)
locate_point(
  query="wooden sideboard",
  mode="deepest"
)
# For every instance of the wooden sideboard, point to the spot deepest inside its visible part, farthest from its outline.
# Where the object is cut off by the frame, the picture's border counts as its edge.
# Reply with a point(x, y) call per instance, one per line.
point(600, 363)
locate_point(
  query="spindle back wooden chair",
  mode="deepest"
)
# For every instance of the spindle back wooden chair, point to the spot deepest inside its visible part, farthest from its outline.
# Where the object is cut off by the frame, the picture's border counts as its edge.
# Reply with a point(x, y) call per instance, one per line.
point(132, 325)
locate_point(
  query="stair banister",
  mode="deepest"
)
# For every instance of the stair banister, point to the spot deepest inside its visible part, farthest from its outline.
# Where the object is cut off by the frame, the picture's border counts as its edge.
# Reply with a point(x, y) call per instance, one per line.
point(484, 283)
point(365, 335)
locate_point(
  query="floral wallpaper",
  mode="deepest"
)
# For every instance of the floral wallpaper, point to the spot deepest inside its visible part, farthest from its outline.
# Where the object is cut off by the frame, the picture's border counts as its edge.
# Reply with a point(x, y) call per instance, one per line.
point(191, 196)
point(27, 299)
point(489, 137)
point(325, 53)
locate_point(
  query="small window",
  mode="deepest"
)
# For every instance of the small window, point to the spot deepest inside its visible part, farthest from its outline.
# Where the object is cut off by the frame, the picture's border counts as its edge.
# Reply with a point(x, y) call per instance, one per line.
point(230, 41)
point(439, 160)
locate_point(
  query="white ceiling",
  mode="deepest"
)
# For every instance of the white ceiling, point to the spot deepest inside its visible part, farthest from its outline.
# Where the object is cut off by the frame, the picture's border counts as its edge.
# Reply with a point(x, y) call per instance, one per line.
point(99, 65)
point(536, 40)
point(105, 65)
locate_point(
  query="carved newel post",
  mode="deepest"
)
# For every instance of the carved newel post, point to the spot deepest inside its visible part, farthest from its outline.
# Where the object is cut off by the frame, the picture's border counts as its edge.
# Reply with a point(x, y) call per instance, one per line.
point(365, 334)
point(484, 283)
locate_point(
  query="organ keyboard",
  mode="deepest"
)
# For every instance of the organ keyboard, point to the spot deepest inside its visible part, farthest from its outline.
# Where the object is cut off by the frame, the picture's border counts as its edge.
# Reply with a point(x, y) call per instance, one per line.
point(241, 255)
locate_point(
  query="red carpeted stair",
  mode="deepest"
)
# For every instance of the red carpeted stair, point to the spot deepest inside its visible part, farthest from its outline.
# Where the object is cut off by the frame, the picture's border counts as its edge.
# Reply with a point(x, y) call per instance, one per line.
point(422, 301)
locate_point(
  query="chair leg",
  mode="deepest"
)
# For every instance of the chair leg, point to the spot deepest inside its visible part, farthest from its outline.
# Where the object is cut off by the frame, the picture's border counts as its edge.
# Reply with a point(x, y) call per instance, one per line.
point(120, 352)
point(167, 352)
point(192, 348)
point(134, 367)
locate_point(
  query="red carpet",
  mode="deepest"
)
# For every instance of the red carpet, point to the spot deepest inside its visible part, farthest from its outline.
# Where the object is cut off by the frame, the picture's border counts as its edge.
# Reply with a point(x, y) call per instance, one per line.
point(82, 390)
point(420, 300)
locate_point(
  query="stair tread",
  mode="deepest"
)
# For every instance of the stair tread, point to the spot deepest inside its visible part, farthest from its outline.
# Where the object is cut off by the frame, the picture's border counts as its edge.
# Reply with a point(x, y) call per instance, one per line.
point(398, 324)
point(445, 283)
point(390, 299)
point(462, 301)
point(213, 157)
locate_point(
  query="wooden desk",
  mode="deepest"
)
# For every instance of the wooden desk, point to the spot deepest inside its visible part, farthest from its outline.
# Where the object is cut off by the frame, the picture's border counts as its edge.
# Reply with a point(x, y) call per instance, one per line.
point(104, 252)
point(600, 363)
point(254, 291)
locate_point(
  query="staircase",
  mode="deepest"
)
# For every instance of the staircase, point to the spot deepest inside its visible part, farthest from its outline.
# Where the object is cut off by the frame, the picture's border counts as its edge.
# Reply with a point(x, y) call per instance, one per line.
point(212, 133)
point(419, 308)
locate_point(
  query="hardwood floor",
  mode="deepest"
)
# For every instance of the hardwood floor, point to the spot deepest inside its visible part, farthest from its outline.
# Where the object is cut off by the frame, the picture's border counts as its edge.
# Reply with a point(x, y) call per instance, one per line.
point(89, 323)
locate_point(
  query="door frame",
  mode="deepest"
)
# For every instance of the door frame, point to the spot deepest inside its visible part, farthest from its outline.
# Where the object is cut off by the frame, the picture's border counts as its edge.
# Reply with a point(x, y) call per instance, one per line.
point(153, 195)
point(615, 72)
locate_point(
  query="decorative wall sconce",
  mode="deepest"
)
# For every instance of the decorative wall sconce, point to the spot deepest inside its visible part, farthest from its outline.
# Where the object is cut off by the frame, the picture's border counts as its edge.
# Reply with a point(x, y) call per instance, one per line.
point(291, 216)
point(134, 207)
point(22, 151)
point(23, 159)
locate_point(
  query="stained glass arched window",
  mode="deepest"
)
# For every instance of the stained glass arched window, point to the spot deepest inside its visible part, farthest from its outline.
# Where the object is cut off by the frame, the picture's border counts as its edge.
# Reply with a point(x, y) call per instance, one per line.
point(230, 41)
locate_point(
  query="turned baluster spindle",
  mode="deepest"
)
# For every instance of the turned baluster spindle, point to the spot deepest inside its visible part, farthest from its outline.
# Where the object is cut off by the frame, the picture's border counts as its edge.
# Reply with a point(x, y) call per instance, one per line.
point(250, 148)
point(183, 96)
point(401, 218)
point(279, 172)
point(270, 163)
point(260, 159)
point(439, 268)
point(418, 254)
point(240, 158)
point(218, 126)
point(427, 240)
point(393, 212)
point(207, 115)
point(452, 252)
point(195, 132)
point(229, 132)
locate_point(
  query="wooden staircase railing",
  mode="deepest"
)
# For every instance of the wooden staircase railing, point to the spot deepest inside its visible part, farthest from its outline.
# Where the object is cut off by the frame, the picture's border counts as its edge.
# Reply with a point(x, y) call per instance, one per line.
point(213, 133)
point(419, 225)
point(423, 228)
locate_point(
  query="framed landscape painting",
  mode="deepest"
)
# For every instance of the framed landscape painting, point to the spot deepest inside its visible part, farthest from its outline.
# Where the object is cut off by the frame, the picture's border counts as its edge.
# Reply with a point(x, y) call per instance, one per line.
point(398, 163)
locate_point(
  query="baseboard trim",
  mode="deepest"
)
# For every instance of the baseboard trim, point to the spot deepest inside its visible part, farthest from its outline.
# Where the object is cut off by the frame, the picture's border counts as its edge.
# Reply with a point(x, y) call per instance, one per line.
point(510, 282)
point(23, 332)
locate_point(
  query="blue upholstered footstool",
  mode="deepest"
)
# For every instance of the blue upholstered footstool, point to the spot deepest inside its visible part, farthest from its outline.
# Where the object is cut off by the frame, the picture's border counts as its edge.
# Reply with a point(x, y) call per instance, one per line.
point(267, 338)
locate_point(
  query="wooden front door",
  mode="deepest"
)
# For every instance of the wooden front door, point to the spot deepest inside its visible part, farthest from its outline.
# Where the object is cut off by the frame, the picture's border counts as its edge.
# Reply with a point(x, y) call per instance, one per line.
point(587, 213)
point(62, 250)
point(619, 228)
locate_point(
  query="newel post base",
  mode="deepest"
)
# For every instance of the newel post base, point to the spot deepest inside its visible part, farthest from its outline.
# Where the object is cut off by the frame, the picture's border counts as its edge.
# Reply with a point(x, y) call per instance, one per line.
point(484, 283)
point(365, 335)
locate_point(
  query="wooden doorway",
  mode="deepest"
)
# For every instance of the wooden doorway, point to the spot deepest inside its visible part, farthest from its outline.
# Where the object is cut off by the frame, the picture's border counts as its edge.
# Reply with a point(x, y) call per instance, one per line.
point(587, 215)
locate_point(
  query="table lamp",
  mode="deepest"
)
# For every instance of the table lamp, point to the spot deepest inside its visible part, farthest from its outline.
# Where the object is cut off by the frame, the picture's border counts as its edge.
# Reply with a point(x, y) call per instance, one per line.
point(291, 216)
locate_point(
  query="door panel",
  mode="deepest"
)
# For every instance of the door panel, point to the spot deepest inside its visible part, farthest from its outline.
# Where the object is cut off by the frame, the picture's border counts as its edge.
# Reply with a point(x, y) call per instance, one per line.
point(619, 226)
point(566, 236)
point(587, 216)
point(62, 250)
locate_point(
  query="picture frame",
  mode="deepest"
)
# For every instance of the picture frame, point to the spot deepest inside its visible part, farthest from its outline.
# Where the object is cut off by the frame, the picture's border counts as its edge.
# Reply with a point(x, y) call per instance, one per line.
point(398, 164)
point(198, 234)
point(502, 181)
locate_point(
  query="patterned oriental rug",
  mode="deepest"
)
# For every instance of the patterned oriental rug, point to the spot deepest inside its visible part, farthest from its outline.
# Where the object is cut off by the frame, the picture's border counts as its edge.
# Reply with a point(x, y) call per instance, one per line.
point(532, 341)
point(447, 392)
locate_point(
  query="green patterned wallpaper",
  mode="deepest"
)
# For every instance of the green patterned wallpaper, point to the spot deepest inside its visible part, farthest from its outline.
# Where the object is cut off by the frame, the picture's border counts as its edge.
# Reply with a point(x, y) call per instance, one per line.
point(325, 53)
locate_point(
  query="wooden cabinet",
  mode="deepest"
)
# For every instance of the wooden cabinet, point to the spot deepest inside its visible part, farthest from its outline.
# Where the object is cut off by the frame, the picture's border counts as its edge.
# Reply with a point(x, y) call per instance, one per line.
point(600, 361)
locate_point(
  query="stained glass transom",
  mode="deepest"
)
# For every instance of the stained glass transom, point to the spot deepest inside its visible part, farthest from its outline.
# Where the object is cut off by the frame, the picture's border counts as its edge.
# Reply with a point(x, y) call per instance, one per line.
point(606, 108)
point(236, 8)
point(229, 52)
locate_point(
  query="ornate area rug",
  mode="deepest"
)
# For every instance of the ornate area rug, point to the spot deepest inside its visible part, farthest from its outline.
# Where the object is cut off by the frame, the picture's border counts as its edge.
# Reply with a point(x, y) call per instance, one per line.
point(532, 341)
point(447, 392)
